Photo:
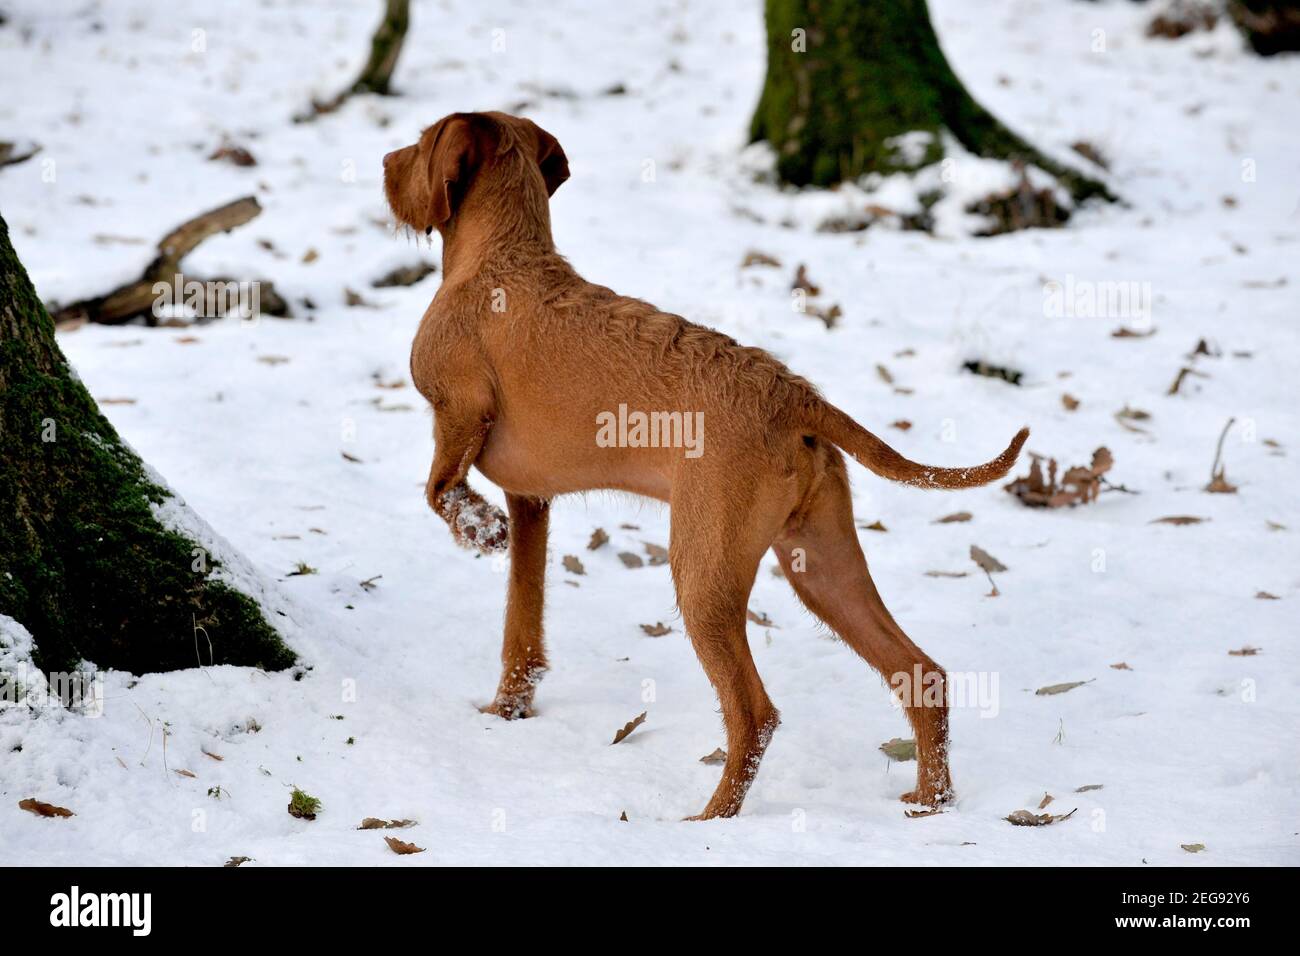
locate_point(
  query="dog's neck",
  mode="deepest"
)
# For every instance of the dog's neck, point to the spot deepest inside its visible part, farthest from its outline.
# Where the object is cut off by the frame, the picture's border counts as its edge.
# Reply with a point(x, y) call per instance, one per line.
point(484, 233)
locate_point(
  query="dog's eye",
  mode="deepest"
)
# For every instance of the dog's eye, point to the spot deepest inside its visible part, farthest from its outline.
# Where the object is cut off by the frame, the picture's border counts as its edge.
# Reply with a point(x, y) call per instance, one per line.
point(428, 231)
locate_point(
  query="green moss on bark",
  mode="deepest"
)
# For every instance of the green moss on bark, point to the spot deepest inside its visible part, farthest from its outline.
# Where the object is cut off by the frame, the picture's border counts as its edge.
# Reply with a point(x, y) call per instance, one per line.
point(844, 77)
point(85, 565)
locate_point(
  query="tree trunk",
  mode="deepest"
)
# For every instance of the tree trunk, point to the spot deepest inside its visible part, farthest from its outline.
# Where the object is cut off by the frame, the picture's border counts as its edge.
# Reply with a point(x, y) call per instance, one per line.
point(846, 76)
point(385, 47)
point(1270, 26)
point(87, 566)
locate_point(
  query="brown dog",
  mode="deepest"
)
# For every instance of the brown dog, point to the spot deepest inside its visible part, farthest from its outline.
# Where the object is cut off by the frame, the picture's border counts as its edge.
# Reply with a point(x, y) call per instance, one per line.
point(550, 385)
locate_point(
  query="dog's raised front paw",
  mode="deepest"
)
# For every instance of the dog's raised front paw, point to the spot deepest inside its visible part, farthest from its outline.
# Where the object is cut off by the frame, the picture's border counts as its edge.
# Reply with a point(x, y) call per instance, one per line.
point(475, 523)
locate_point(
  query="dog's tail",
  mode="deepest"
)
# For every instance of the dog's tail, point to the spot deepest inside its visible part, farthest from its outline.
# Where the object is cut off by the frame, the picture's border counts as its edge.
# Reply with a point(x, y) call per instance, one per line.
point(835, 426)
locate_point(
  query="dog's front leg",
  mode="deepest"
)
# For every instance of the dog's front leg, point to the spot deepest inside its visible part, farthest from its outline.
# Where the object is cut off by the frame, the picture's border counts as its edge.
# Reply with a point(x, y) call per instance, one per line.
point(523, 655)
point(474, 522)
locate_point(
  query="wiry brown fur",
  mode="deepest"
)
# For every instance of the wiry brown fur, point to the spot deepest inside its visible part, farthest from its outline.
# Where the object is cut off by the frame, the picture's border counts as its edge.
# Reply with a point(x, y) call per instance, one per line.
point(518, 355)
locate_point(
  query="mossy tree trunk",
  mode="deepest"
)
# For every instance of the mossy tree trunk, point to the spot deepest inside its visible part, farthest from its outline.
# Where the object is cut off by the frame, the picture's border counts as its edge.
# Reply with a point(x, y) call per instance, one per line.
point(844, 77)
point(86, 566)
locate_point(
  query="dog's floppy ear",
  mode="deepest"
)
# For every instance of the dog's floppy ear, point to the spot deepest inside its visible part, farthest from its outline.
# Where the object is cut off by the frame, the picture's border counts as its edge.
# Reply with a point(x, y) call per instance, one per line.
point(551, 160)
point(456, 149)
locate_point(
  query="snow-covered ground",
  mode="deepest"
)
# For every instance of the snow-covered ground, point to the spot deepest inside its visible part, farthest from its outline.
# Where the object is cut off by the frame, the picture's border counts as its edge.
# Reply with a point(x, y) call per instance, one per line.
point(1191, 745)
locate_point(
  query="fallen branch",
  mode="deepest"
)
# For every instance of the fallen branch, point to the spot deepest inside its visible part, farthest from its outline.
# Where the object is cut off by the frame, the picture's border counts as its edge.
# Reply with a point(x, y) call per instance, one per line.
point(138, 297)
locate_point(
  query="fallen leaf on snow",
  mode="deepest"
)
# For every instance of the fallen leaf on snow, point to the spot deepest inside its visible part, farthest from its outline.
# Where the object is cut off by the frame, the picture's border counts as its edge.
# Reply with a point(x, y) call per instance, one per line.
point(1178, 520)
point(1193, 847)
point(658, 629)
point(1051, 689)
point(899, 749)
point(573, 565)
point(1266, 596)
point(760, 617)
point(957, 517)
point(1246, 651)
point(630, 560)
point(1026, 818)
point(401, 848)
point(1088, 786)
point(718, 756)
point(42, 809)
point(1078, 485)
point(1047, 798)
point(658, 553)
point(236, 861)
point(374, 823)
point(627, 729)
point(1121, 666)
point(598, 538)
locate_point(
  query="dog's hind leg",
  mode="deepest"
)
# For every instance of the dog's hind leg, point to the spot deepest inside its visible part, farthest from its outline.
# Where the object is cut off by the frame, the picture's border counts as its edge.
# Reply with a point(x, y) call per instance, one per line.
point(822, 560)
point(717, 541)
point(523, 655)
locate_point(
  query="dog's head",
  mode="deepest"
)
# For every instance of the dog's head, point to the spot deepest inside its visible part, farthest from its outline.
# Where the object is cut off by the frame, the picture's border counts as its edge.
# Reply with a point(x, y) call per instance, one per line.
point(428, 183)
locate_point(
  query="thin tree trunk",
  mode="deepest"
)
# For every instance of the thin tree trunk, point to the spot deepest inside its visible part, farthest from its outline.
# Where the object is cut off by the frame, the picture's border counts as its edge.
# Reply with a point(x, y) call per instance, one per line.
point(86, 566)
point(385, 47)
point(844, 77)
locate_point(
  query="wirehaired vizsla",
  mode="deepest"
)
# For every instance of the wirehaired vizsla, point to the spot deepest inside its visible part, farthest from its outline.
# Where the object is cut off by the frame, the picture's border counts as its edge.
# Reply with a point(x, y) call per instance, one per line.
point(549, 385)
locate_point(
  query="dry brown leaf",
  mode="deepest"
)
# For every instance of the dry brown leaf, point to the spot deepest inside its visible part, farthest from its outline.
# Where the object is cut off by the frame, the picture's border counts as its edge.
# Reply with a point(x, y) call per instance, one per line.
point(1047, 798)
point(402, 848)
point(874, 526)
point(573, 565)
point(1192, 847)
point(598, 539)
point(947, 574)
point(899, 749)
point(1088, 786)
point(658, 553)
point(801, 281)
point(1121, 666)
point(116, 401)
point(718, 756)
point(42, 809)
point(622, 817)
point(374, 823)
point(916, 814)
point(1124, 332)
point(656, 630)
point(1246, 651)
point(1178, 520)
point(1052, 689)
point(349, 457)
point(236, 861)
point(630, 560)
point(755, 258)
point(627, 729)
point(957, 517)
point(1069, 401)
point(1078, 485)
point(988, 564)
point(1026, 818)
point(884, 374)
point(1266, 596)
point(760, 617)
point(902, 425)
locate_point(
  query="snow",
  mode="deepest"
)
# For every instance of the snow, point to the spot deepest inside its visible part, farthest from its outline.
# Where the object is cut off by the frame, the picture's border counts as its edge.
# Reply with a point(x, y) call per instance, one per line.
point(1191, 745)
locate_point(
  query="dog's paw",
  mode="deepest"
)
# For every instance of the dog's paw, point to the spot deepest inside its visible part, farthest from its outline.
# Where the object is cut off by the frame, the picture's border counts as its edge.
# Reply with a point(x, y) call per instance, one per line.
point(931, 798)
point(475, 523)
point(512, 707)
